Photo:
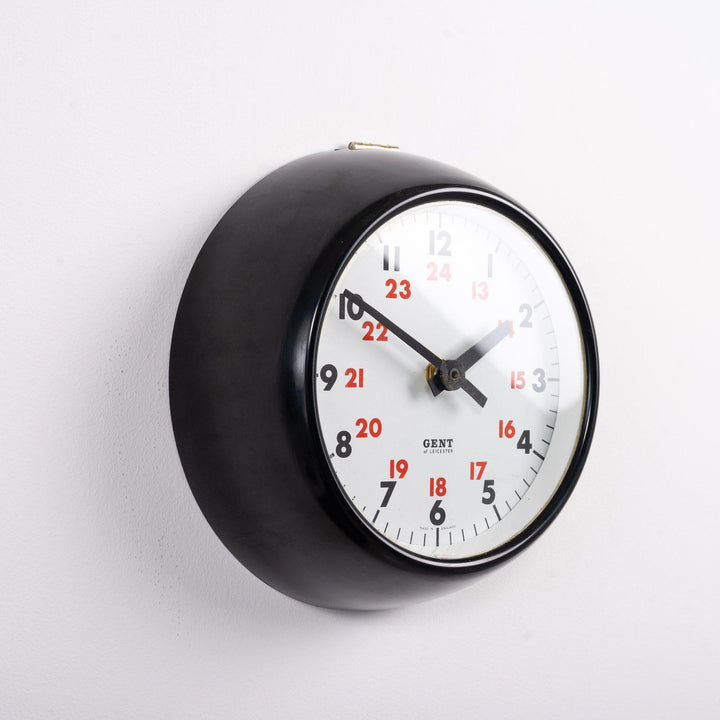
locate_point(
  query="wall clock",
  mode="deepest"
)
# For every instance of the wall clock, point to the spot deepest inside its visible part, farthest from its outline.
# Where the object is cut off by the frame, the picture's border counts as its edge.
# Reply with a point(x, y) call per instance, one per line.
point(383, 378)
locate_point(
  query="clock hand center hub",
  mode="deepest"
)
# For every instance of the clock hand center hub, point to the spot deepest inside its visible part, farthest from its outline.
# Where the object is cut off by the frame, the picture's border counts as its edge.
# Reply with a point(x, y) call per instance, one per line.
point(451, 373)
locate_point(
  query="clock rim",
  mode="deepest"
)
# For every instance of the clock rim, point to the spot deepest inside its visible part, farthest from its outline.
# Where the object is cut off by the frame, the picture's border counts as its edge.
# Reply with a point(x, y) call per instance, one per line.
point(340, 250)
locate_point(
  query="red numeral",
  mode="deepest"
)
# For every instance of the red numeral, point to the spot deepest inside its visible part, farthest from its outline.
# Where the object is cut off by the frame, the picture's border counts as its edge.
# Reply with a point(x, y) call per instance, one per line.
point(480, 290)
point(368, 327)
point(507, 429)
point(393, 294)
point(374, 427)
point(517, 379)
point(435, 275)
point(438, 486)
point(512, 329)
point(356, 377)
point(398, 466)
point(477, 468)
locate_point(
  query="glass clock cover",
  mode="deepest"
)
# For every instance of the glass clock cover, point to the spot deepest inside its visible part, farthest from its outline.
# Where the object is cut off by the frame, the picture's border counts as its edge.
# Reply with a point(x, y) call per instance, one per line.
point(448, 472)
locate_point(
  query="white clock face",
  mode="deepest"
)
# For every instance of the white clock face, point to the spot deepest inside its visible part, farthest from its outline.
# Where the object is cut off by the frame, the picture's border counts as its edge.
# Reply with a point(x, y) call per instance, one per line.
point(449, 460)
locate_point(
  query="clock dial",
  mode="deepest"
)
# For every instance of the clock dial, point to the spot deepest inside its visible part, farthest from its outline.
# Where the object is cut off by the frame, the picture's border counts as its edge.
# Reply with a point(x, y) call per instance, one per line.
point(449, 380)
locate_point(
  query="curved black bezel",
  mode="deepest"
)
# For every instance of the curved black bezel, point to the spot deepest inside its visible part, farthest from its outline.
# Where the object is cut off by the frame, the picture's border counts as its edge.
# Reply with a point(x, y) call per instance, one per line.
point(342, 252)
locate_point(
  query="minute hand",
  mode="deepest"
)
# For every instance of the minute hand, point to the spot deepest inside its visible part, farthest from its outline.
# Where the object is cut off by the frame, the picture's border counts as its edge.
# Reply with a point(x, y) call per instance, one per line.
point(418, 347)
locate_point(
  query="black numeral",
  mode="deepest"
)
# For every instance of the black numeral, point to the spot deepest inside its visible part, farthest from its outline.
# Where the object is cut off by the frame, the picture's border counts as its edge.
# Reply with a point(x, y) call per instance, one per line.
point(328, 374)
point(343, 448)
point(395, 254)
point(527, 320)
point(524, 442)
point(488, 496)
point(388, 486)
point(440, 244)
point(437, 514)
point(353, 311)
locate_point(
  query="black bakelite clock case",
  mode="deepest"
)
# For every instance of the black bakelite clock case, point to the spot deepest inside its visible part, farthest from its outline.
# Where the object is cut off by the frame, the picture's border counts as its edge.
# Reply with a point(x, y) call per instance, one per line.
point(242, 378)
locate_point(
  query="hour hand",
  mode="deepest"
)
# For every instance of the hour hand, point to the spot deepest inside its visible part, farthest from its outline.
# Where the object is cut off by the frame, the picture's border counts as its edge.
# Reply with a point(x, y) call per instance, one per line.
point(485, 345)
point(450, 374)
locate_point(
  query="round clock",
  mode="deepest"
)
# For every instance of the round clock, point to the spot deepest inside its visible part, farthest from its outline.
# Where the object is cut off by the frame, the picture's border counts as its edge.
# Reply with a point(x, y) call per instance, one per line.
point(383, 378)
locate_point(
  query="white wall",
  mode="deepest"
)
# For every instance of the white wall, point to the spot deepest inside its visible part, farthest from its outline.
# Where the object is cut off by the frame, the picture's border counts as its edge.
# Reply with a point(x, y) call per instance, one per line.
point(126, 131)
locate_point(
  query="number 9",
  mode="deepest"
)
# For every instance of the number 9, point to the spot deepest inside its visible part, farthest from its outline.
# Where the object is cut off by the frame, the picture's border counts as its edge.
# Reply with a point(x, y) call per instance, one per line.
point(328, 374)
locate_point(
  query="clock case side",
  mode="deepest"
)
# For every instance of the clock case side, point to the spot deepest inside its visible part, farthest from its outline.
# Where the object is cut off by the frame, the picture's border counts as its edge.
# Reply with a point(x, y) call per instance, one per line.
point(241, 380)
